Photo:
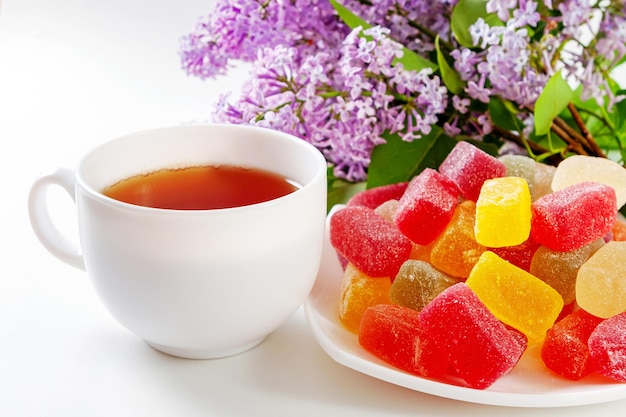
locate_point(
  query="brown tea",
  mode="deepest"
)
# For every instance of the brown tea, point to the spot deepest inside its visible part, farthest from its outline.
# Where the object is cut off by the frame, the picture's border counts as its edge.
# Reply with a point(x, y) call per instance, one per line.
point(201, 188)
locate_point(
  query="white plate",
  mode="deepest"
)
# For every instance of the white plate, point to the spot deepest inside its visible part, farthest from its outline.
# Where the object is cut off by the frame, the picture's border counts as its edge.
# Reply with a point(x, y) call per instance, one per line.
point(529, 384)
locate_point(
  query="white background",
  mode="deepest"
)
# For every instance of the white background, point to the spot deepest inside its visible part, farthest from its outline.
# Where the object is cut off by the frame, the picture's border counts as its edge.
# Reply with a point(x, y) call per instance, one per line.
point(73, 74)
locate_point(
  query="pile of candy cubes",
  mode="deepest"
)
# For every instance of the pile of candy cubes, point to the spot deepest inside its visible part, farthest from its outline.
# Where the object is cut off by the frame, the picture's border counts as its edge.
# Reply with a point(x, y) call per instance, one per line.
point(463, 268)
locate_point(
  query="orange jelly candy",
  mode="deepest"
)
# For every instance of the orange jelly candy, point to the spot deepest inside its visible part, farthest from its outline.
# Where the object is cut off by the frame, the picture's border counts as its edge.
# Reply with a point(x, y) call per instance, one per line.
point(358, 292)
point(456, 250)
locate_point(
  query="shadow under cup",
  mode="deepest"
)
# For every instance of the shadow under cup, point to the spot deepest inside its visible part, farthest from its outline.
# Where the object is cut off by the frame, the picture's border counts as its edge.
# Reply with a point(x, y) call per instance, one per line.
point(202, 283)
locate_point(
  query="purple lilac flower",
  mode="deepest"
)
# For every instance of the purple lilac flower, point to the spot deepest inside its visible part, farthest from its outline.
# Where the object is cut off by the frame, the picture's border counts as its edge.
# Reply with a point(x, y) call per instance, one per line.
point(225, 34)
point(341, 90)
point(460, 104)
point(503, 67)
point(575, 13)
point(490, 35)
point(613, 45)
point(397, 15)
point(501, 8)
point(465, 62)
point(451, 129)
point(525, 15)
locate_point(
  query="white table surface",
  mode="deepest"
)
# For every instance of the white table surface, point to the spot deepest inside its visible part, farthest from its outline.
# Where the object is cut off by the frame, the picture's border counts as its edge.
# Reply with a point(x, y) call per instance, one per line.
point(73, 74)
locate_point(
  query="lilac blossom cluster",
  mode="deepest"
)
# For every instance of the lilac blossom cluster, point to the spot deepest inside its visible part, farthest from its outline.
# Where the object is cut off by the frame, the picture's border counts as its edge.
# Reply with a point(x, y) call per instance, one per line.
point(343, 90)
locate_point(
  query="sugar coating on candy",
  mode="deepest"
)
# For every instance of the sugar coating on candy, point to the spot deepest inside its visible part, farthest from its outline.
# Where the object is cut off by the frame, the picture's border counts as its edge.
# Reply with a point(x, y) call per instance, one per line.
point(456, 250)
point(565, 350)
point(559, 269)
point(601, 281)
point(582, 168)
point(520, 166)
point(358, 292)
point(503, 212)
point(607, 345)
point(426, 206)
point(544, 174)
point(374, 197)
point(519, 255)
point(478, 346)
point(371, 243)
point(417, 283)
point(515, 296)
point(387, 210)
point(394, 334)
point(574, 216)
point(468, 167)
point(519, 337)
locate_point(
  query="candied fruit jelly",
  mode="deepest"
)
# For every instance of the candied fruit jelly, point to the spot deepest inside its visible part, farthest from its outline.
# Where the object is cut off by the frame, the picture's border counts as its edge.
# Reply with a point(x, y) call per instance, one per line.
point(559, 269)
point(565, 350)
point(456, 251)
point(607, 346)
point(393, 333)
point(503, 212)
point(358, 292)
point(544, 174)
point(426, 206)
point(417, 283)
point(515, 296)
point(520, 166)
point(371, 243)
point(468, 167)
point(574, 216)
point(582, 168)
point(478, 346)
point(601, 281)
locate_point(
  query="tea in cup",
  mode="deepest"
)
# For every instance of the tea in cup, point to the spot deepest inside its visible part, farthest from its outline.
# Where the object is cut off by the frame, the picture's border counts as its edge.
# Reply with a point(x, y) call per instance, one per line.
point(201, 240)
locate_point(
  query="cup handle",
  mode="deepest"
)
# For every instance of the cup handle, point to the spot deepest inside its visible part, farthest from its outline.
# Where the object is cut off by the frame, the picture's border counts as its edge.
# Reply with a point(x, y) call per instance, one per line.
point(40, 219)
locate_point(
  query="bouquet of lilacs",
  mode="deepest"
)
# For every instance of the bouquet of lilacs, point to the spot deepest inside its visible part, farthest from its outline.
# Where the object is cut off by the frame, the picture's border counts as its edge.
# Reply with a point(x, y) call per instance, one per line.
point(385, 88)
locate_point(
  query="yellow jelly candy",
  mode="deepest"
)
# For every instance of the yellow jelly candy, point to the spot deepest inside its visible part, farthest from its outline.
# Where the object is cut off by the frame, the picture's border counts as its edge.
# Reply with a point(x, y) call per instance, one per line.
point(515, 296)
point(503, 212)
point(601, 281)
point(358, 292)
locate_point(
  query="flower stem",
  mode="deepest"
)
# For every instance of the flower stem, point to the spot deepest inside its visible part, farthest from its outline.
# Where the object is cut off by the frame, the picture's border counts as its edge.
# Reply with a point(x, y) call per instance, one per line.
point(534, 147)
point(589, 141)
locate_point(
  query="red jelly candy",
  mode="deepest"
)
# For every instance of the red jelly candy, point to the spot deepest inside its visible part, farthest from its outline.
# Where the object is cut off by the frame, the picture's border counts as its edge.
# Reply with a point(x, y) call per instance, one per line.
point(372, 244)
point(478, 346)
point(565, 349)
point(393, 334)
point(376, 196)
point(469, 167)
point(574, 216)
point(607, 345)
point(426, 206)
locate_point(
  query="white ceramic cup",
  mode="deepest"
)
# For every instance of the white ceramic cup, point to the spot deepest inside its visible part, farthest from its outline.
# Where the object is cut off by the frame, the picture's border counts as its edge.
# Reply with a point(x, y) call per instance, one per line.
point(193, 283)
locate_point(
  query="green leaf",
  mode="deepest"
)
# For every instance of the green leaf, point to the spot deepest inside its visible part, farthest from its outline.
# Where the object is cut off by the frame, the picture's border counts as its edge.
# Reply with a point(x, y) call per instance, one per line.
point(555, 97)
point(410, 60)
point(397, 160)
point(349, 18)
point(450, 77)
point(465, 14)
point(619, 112)
point(503, 115)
